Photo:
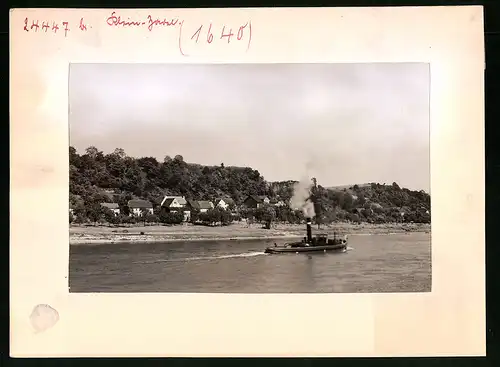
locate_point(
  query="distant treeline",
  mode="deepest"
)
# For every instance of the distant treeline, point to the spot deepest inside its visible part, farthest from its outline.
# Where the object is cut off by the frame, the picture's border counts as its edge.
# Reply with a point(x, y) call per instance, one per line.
point(94, 175)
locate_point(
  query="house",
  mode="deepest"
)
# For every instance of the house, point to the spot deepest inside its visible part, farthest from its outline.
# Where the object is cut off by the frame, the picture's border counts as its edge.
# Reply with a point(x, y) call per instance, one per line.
point(192, 205)
point(254, 201)
point(224, 203)
point(201, 206)
point(137, 207)
point(205, 206)
point(112, 206)
point(173, 203)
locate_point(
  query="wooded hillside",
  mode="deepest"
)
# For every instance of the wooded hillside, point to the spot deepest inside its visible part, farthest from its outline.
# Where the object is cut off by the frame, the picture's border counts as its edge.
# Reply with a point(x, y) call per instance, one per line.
point(93, 175)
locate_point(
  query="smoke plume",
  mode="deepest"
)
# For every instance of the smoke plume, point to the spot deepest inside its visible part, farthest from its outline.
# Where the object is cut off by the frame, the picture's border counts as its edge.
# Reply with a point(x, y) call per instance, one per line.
point(301, 198)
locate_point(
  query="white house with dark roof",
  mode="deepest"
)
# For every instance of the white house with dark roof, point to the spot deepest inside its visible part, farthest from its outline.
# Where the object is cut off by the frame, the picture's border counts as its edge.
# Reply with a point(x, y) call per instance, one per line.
point(172, 201)
point(137, 206)
point(112, 206)
point(224, 203)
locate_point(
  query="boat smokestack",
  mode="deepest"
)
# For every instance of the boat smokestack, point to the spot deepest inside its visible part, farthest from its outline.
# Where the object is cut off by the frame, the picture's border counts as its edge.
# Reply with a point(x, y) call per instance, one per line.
point(309, 230)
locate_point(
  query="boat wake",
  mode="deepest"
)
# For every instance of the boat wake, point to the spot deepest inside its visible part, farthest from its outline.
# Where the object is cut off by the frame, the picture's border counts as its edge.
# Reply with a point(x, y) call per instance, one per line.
point(245, 254)
point(218, 257)
point(228, 256)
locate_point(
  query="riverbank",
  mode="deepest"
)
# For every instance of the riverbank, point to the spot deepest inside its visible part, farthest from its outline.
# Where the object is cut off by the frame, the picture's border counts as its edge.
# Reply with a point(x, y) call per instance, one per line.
point(235, 231)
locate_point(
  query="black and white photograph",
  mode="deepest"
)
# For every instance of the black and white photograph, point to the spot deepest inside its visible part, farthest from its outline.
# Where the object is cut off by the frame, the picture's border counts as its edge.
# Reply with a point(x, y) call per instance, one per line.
point(249, 178)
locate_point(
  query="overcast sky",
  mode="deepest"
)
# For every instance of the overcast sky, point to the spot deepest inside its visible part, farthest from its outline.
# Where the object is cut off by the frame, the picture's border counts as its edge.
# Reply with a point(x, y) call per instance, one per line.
point(342, 123)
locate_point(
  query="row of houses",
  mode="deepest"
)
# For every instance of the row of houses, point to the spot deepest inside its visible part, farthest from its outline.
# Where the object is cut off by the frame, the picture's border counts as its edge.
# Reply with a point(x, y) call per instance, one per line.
point(180, 203)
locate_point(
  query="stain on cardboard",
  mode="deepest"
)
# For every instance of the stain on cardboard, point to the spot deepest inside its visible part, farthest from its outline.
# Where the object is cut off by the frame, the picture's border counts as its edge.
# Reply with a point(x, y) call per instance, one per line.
point(43, 317)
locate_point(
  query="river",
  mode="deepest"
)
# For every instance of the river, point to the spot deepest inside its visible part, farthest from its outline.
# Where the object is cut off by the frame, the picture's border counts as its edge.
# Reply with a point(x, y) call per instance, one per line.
point(374, 263)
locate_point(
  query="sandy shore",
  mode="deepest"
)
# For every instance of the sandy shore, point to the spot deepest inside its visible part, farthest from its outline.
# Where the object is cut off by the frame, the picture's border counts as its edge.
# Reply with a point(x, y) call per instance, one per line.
point(236, 231)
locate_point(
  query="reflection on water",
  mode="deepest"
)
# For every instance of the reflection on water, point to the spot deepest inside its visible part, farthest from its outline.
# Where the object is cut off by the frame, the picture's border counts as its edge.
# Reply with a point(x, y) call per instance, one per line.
point(378, 263)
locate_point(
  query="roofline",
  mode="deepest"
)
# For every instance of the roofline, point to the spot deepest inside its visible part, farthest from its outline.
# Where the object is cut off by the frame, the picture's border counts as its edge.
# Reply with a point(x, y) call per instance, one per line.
point(168, 197)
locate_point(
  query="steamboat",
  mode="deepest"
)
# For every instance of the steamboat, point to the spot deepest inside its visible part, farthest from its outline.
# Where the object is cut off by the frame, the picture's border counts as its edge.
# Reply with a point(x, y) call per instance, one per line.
point(319, 243)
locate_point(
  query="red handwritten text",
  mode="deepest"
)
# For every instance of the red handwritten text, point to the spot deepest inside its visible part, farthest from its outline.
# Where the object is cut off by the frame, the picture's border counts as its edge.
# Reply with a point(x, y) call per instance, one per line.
point(115, 20)
point(225, 33)
point(164, 22)
point(82, 26)
point(34, 26)
point(66, 29)
point(210, 33)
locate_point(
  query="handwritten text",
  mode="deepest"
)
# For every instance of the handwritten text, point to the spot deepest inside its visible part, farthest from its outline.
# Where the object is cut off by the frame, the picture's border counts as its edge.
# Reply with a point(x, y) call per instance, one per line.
point(45, 26)
point(188, 35)
point(224, 33)
point(149, 22)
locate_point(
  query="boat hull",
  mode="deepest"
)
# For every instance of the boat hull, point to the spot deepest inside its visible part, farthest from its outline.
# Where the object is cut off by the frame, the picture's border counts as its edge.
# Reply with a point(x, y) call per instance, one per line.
point(325, 248)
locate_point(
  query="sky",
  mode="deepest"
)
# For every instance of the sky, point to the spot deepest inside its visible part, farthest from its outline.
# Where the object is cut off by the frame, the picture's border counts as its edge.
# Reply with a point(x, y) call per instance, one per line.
point(341, 123)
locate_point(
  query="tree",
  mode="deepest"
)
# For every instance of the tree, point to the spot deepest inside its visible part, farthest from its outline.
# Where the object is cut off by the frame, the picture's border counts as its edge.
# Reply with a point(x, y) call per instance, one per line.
point(146, 178)
point(216, 216)
point(173, 217)
point(93, 152)
point(283, 214)
point(361, 200)
point(152, 218)
point(109, 216)
point(354, 218)
point(266, 214)
point(144, 214)
point(128, 219)
point(194, 216)
point(120, 153)
point(123, 199)
point(94, 212)
point(347, 201)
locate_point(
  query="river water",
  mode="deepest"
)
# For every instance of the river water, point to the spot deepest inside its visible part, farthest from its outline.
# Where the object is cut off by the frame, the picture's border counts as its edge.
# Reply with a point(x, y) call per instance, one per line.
point(374, 263)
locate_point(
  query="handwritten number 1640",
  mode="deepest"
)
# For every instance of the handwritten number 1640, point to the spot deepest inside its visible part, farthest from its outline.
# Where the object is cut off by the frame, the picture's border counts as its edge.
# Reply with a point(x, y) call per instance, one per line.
point(224, 33)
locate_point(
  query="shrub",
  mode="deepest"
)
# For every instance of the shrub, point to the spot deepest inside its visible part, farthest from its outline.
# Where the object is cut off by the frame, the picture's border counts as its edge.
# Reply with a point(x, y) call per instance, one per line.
point(171, 217)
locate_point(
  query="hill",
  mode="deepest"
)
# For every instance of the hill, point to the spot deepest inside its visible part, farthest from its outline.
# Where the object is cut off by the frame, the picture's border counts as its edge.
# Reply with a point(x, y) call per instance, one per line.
point(96, 177)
